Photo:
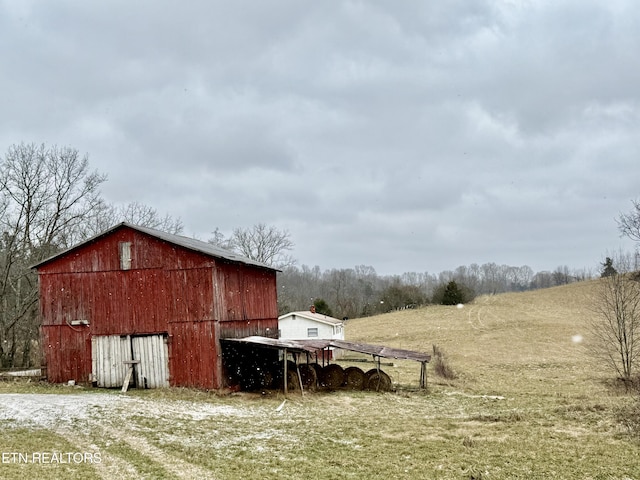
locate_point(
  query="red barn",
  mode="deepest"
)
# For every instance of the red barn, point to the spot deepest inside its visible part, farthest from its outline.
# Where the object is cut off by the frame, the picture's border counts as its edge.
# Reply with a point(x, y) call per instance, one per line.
point(137, 296)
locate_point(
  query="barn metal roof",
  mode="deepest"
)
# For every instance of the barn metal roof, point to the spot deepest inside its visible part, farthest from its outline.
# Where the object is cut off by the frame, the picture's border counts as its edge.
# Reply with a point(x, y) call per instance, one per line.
point(317, 344)
point(186, 242)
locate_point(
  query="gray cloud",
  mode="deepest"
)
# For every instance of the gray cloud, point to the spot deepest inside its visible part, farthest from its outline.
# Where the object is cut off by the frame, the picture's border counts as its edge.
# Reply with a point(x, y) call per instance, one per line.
point(407, 136)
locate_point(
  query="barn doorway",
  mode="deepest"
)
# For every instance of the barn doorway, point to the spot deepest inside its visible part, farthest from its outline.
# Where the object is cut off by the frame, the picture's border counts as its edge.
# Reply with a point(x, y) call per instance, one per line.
point(112, 356)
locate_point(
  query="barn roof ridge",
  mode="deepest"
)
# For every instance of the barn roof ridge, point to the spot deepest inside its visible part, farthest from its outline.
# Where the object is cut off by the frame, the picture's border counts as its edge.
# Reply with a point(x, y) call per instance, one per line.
point(179, 240)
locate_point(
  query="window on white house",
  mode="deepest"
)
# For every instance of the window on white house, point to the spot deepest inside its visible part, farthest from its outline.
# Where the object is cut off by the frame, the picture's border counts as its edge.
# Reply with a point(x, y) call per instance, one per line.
point(312, 332)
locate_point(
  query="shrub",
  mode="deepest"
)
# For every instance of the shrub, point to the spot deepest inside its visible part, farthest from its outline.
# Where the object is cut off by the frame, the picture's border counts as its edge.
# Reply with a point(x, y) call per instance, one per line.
point(629, 415)
point(441, 365)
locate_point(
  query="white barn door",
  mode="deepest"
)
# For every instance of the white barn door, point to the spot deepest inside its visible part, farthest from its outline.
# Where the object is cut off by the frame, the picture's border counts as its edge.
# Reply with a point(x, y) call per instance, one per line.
point(153, 353)
point(109, 352)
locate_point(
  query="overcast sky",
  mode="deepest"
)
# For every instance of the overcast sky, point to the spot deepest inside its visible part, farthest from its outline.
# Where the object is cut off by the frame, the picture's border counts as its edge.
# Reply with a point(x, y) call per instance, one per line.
point(409, 136)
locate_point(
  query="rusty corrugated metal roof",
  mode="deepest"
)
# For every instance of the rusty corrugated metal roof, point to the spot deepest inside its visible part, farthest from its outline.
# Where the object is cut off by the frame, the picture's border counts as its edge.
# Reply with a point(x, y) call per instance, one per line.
point(382, 351)
point(293, 345)
point(313, 345)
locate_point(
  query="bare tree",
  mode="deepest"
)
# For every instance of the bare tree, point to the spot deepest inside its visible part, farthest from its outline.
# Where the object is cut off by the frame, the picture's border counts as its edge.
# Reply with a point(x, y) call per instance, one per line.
point(106, 216)
point(220, 240)
point(46, 194)
point(616, 324)
point(629, 223)
point(561, 275)
point(262, 243)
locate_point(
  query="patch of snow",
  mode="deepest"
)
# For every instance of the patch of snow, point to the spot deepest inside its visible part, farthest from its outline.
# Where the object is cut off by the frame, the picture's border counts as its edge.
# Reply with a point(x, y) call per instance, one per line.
point(52, 410)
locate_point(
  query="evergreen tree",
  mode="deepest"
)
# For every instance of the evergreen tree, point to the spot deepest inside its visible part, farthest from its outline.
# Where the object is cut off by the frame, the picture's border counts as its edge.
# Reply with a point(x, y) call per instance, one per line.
point(608, 268)
point(453, 295)
point(322, 307)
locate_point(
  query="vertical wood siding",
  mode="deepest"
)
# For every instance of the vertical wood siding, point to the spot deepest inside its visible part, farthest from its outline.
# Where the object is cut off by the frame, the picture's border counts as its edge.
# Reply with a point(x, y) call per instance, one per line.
point(245, 301)
point(248, 328)
point(194, 355)
point(67, 353)
point(127, 302)
point(147, 252)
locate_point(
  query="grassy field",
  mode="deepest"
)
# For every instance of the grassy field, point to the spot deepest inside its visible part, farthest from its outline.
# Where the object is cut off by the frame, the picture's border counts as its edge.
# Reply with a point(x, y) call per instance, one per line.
point(528, 402)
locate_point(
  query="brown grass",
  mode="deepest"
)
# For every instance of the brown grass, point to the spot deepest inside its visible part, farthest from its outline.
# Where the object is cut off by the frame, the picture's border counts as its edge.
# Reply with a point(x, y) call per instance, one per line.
point(495, 337)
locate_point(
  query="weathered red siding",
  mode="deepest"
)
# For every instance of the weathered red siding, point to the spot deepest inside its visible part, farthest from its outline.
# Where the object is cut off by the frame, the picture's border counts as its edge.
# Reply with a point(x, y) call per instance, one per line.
point(193, 297)
point(194, 355)
point(243, 293)
point(127, 302)
point(68, 353)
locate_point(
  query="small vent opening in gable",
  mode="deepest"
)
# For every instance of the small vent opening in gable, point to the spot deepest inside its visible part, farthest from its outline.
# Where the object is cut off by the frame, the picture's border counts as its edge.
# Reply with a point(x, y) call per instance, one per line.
point(125, 255)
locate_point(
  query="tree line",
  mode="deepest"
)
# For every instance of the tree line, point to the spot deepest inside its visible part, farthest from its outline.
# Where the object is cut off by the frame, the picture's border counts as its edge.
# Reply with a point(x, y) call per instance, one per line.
point(360, 291)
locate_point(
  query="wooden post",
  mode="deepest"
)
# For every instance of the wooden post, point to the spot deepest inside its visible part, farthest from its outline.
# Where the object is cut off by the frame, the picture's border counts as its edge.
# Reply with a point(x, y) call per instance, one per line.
point(423, 374)
point(127, 377)
point(295, 359)
point(285, 370)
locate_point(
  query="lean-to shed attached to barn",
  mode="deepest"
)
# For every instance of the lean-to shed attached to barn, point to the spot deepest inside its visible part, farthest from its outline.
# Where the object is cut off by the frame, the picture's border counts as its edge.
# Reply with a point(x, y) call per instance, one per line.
point(137, 296)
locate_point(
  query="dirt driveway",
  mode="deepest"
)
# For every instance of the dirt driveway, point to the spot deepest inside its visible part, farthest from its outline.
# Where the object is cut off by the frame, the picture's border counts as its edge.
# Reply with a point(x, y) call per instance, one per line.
point(100, 422)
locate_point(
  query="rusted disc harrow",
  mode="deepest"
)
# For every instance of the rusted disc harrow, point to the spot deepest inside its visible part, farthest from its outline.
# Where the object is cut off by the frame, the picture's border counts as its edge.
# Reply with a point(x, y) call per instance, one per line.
point(331, 377)
point(309, 376)
point(377, 381)
point(354, 378)
point(293, 382)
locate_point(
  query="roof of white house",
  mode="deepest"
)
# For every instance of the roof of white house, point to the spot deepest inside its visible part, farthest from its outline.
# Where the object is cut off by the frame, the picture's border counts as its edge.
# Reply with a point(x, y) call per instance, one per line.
point(317, 317)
